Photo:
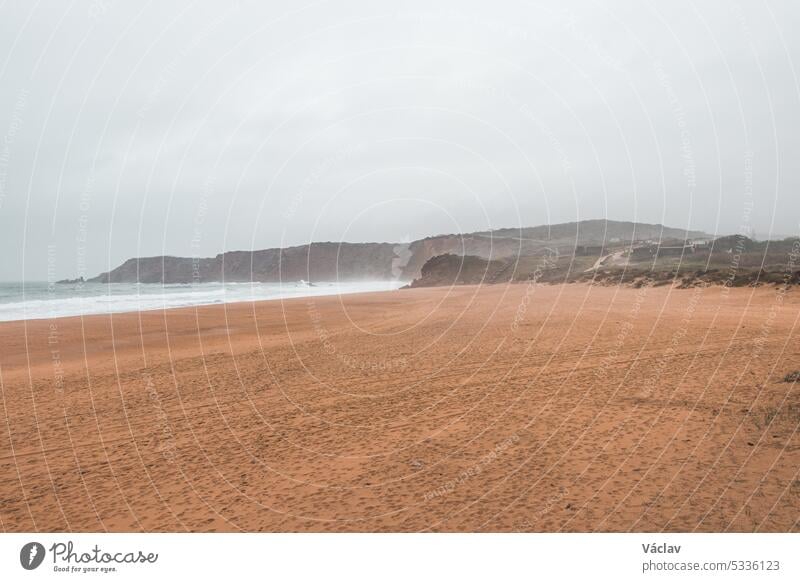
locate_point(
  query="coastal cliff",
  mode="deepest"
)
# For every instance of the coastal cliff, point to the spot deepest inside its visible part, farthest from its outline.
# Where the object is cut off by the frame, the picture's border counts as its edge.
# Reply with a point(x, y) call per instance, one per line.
point(314, 262)
point(330, 261)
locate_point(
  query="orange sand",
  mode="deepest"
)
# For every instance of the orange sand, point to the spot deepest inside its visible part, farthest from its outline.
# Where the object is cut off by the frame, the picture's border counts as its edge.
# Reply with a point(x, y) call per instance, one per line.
point(512, 408)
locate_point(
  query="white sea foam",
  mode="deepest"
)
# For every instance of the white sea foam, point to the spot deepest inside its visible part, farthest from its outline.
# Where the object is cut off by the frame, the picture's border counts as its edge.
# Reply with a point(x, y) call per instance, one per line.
point(42, 301)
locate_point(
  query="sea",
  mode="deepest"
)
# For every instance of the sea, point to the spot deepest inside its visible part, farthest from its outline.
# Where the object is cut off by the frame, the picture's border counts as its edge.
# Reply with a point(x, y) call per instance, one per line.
point(42, 300)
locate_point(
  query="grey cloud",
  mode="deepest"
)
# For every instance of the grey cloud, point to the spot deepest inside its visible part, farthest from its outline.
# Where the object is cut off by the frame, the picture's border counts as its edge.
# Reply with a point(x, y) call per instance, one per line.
point(187, 128)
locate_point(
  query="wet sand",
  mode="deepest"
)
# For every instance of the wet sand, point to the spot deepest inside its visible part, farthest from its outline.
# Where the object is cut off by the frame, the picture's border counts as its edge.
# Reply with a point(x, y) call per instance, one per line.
point(501, 408)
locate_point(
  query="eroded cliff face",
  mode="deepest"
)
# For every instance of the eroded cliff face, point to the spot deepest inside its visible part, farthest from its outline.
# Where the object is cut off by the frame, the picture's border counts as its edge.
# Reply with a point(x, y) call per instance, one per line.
point(477, 245)
point(330, 261)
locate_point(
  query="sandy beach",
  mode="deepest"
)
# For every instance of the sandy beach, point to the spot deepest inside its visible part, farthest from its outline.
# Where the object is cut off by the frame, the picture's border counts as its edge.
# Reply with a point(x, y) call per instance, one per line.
point(498, 408)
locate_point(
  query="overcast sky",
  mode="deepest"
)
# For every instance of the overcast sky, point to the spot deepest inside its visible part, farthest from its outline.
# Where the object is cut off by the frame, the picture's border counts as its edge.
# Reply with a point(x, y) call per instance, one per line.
point(192, 128)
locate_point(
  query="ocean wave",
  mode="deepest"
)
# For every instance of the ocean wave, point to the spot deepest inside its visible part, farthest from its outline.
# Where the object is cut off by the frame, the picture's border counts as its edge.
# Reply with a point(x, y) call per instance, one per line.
point(39, 301)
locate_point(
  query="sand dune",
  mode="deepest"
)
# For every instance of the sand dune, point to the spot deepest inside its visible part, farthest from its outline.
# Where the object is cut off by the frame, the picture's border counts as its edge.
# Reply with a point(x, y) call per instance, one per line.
point(501, 408)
